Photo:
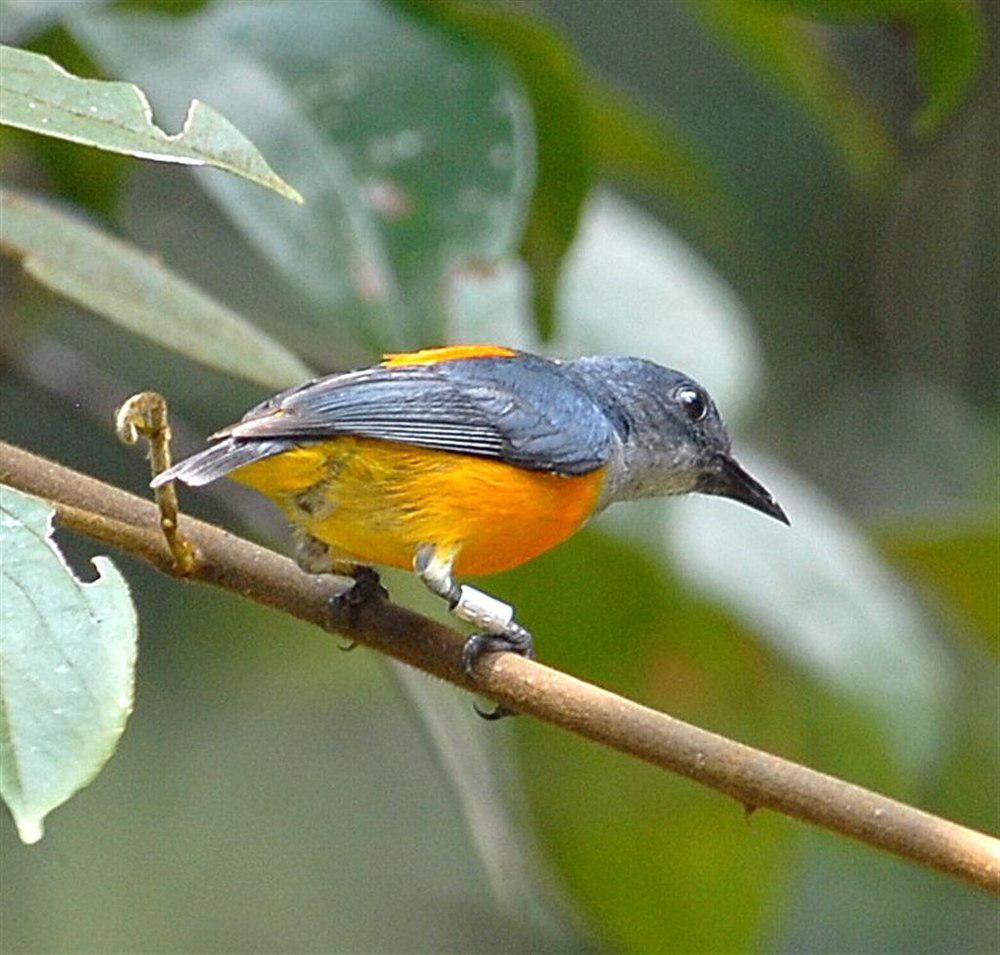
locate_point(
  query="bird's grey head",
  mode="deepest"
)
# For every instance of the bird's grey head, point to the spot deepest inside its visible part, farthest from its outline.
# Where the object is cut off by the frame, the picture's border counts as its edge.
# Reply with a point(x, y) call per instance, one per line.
point(673, 440)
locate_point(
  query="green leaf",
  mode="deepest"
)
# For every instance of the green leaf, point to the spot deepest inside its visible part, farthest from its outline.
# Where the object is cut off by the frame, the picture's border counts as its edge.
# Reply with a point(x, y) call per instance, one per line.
point(91, 178)
point(134, 291)
point(414, 151)
point(829, 906)
point(631, 842)
point(948, 43)
point(36, 94)
point(68, 662)
point(786, 51)
point(583, 132)
point(946, 37)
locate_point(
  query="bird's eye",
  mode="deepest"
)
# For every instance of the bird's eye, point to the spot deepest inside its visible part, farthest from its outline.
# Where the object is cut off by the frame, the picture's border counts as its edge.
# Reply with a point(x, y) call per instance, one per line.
point(693, 402)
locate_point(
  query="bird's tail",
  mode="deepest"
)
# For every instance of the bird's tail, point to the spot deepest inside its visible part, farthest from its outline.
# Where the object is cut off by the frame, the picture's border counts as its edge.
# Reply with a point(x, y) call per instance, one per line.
point(219, 459)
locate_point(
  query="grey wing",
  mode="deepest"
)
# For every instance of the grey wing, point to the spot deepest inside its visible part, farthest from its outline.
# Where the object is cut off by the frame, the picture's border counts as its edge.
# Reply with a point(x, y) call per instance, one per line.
point(524, 412)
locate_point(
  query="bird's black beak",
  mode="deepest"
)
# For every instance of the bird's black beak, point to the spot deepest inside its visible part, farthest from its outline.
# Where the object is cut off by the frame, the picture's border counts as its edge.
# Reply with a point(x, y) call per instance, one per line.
point(727, 479)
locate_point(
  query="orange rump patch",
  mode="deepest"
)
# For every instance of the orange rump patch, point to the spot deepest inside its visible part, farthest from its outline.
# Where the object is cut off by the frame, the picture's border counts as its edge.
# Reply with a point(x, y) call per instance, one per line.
point(432, 356)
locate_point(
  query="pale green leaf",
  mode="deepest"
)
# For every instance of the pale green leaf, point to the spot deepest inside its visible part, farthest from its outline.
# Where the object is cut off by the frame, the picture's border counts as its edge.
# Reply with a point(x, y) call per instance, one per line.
point(67, 664)
point(38, 95)
point(584, 132)
point(552, 77)
point(133, 290)
point(818, 592)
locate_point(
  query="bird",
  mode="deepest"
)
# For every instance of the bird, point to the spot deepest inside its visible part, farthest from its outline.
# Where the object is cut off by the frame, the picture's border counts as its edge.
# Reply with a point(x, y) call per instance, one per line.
point(467, 460)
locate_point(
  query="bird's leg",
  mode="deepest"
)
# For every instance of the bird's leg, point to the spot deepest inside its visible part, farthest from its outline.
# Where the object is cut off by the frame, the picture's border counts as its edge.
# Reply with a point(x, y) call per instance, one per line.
point(494, 619)
point(311, 554)
point(315, 557)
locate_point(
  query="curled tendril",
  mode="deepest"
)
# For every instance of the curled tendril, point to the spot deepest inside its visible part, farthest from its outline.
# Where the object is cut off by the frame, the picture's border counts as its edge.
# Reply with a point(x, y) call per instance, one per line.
point(145, 416)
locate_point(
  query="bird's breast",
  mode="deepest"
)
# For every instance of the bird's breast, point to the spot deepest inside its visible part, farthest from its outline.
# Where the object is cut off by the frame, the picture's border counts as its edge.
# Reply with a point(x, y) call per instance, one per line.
point(379, 501)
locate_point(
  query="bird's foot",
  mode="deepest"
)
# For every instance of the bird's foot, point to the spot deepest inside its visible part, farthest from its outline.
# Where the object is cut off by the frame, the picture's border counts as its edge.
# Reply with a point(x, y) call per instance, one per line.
point(367, 587)
point(498, 633)
point(513, 639)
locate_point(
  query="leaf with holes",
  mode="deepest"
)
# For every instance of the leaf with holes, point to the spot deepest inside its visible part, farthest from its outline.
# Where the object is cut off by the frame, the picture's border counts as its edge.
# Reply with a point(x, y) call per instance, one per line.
point(67, 665)
point(40, 96)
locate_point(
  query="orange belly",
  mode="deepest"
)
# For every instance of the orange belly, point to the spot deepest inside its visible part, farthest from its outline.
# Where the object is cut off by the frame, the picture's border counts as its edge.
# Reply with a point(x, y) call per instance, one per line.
point(379, 502)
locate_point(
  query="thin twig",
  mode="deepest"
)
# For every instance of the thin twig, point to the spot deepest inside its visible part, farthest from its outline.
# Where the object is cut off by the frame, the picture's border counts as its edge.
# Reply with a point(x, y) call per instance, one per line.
point(754, 778)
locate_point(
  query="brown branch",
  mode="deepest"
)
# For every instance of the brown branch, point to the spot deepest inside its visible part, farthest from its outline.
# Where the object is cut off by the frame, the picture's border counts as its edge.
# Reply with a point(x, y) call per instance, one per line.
point(754, 778)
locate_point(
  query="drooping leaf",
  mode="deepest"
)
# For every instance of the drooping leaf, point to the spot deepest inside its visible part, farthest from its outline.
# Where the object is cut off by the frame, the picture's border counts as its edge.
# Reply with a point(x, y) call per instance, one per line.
point(133, 290)
point(413, 150)
point(787, 52)
point(36, 94)
point(67, 661)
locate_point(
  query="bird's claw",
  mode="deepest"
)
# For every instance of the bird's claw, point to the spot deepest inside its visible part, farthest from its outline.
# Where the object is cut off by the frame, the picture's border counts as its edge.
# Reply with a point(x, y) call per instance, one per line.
point(497, 713)
point(513, 639)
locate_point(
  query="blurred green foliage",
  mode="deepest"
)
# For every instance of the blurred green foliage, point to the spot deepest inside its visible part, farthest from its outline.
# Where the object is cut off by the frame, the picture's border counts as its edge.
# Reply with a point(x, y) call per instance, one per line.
point(583, 133)
point(786, 52)
point(946, 37)
point(271, 793)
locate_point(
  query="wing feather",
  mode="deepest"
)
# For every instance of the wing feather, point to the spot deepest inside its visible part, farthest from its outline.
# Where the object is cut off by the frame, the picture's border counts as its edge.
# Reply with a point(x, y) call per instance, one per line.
point(526, 412)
